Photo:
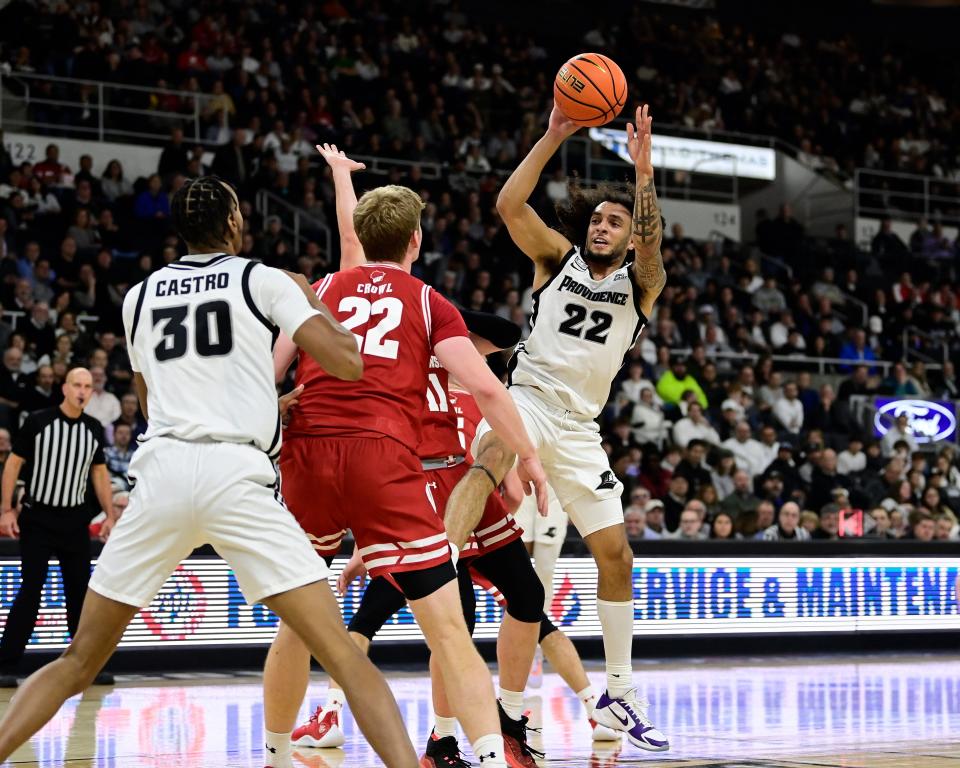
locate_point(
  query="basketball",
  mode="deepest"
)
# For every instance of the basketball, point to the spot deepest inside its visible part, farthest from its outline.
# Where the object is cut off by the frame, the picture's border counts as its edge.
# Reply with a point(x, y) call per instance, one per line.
point(590, 89)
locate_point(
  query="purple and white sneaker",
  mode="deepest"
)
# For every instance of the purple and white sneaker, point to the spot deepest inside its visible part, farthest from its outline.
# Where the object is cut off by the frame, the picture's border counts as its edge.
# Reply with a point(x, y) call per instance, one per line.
point(628, 713)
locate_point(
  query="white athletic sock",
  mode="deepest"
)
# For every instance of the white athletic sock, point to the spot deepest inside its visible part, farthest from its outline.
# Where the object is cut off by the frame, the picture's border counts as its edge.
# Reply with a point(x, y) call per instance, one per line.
point(589, 699)
point(445, 726)
point(489, 751)
point(616, 619)
point(512, 702)
point(277, 750)
point(335, 698)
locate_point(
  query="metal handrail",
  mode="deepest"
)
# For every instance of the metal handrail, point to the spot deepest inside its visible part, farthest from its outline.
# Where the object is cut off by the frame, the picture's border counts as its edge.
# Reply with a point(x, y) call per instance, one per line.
point(820, 362)
point(265, 199)
point(18, 74)
point(192, 99)
point(874, 187)
point(912, 330)
point(864, 308)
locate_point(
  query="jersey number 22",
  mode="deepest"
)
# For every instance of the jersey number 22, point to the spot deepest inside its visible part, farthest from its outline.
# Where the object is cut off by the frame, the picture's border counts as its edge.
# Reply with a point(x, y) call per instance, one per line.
point(374, 341)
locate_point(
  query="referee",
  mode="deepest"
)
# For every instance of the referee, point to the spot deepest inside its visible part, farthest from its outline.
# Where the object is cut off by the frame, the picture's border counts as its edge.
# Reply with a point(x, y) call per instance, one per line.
point(63, 449)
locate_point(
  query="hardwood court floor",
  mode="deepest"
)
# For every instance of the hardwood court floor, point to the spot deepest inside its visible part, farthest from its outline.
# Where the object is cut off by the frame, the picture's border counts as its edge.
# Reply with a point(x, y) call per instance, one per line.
point(792, 712)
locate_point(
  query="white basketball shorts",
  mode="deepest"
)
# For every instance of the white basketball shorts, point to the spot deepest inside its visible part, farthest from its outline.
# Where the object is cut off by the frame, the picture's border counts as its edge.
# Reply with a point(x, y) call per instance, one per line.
point(189, 494)
point(546, 531)
point(576, 465)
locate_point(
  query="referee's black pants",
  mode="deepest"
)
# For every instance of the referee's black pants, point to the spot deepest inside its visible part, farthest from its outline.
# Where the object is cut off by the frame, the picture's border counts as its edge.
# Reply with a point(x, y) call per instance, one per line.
point(39, 541)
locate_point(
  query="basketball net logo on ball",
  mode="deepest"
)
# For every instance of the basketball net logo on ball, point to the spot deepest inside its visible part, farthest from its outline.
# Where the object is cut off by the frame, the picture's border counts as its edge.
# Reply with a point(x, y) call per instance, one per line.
point(590, 89)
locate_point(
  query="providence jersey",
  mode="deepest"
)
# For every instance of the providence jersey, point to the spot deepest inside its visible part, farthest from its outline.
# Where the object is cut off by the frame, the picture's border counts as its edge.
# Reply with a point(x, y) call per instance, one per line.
point(581, 332)
point(201, 332)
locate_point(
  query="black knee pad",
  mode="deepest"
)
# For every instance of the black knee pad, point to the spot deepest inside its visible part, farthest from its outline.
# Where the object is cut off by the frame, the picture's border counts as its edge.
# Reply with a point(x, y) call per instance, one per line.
point(547, 628)
point(509, 569)
point(419, 584)
point(379, 602)
point(468, 598)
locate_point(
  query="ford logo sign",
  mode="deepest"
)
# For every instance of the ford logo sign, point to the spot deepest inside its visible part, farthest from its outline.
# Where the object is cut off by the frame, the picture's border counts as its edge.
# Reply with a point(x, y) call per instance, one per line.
point(929, 421)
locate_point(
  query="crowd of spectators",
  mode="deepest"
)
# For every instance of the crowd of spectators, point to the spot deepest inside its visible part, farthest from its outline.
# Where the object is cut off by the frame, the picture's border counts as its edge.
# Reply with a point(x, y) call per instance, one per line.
point(443, 79)
point(710, 436)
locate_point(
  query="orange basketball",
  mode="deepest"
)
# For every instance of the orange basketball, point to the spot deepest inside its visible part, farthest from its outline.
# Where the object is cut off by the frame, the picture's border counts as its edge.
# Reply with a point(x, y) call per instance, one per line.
point(590, 89)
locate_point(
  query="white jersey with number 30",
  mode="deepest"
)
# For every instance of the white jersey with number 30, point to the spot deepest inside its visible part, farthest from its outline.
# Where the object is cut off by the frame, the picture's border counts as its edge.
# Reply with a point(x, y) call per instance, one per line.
point(201, 332)
point(582, 330)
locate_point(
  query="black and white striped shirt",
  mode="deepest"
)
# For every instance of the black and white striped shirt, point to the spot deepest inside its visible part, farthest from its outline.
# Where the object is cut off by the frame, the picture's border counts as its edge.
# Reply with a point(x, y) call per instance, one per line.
point(59, 452)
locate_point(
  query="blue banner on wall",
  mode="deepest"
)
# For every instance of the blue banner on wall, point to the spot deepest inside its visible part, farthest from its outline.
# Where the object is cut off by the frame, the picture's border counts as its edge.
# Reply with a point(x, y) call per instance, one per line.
point(201, 603)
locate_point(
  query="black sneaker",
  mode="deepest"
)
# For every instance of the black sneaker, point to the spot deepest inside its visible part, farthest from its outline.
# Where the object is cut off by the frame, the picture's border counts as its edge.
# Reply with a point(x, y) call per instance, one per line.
point(443, 753)
point(9, 681)
point(104, 678)
point(519, 753)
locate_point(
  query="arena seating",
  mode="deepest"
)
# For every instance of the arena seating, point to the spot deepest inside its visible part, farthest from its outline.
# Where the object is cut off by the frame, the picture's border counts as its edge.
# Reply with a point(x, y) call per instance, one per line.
point(472, 98)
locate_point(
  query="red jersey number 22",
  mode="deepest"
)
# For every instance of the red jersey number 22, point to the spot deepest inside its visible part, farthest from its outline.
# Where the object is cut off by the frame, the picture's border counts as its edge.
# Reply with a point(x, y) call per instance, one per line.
point(373, 342)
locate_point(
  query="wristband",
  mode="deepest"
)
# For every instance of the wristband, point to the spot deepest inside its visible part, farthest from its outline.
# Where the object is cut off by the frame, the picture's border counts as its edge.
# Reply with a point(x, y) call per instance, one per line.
point(488, 473)
point(454, 553)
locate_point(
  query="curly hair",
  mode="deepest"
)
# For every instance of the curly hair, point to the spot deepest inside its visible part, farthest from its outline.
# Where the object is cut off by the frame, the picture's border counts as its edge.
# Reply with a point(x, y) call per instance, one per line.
point(574, 213)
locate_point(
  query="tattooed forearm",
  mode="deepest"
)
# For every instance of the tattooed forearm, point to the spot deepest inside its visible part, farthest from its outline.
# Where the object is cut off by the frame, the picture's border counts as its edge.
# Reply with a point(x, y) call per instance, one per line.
point(651, 276)
point(646, 218)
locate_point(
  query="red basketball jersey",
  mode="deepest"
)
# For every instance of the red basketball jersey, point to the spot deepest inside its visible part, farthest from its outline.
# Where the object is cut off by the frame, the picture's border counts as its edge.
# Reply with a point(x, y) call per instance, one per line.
point(470, 416)
point(443, 432)
point(397, 320)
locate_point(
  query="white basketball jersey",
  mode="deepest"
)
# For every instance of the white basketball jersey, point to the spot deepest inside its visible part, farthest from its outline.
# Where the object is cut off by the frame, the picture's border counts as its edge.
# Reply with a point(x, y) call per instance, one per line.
point(201, 332)
point(582, 331)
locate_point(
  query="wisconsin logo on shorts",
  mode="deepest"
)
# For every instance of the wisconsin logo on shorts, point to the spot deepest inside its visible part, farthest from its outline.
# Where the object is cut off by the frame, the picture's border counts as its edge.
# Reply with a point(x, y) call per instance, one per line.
point(608, 481)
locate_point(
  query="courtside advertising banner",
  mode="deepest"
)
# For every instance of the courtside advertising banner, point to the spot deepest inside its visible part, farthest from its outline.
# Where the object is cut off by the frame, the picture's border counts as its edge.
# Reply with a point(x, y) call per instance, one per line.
point(201, 603)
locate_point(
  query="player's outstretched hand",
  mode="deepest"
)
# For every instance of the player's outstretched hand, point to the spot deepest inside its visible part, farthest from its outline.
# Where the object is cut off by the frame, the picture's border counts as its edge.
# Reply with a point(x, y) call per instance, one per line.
point(8, 524)
point(534, 480)
point(337, 159)
point(354, 569)
point(287, 402)
point(512, 491)
point(560, 124)
point(640, 142)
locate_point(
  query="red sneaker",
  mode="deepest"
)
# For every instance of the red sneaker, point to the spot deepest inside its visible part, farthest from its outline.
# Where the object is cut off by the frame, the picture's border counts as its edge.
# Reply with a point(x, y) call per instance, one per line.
point(322, 730)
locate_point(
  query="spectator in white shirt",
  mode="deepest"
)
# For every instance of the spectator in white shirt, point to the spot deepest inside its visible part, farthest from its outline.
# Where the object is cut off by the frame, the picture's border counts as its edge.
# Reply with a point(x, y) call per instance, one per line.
point(647, 419)
point(769, 445)
point(747, 451)
point(853, 459)
point(694, 426)
point(899, 431)
point(630, 388)
point(103, 406)
point(789, 409)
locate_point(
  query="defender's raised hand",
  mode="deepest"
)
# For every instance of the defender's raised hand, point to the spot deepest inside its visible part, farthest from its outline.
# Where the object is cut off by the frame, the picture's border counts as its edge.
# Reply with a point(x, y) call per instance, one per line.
point(338, 160)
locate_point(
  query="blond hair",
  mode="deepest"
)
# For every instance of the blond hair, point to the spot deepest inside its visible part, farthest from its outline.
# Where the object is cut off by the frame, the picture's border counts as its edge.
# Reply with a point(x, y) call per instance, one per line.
point(385, 219)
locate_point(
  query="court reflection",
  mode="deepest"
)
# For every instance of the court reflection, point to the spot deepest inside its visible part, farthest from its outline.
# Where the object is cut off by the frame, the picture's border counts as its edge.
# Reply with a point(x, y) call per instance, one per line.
point(711, 710)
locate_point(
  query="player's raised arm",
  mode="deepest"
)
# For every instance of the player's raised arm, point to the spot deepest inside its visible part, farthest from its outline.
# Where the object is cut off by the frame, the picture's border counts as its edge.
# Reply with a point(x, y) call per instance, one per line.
point(461, 359)
point(351, 252)
point(647, 220)
point(341, 166)
point(544, 245)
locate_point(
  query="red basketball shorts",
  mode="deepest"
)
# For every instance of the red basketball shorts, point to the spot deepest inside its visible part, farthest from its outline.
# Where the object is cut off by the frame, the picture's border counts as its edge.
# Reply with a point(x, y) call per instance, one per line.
point(374, 487)
point(497, 526)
